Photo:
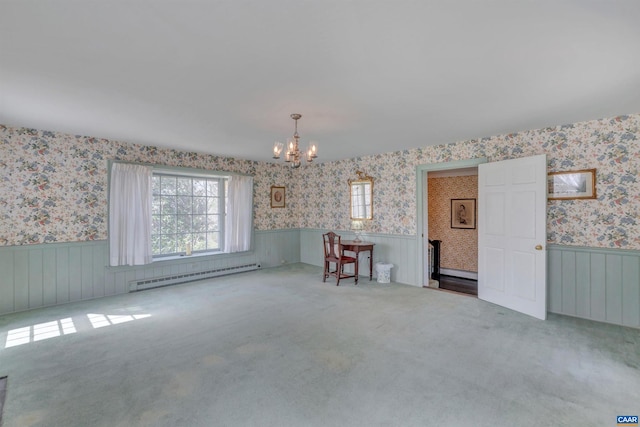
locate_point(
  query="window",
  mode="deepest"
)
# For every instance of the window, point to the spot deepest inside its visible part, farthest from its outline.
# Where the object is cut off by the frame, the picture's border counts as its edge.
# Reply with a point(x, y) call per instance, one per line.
point(157, 212)
point(188, 213)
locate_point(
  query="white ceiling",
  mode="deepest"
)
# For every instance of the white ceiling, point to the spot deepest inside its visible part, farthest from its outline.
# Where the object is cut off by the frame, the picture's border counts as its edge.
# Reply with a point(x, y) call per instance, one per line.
point(223, 76)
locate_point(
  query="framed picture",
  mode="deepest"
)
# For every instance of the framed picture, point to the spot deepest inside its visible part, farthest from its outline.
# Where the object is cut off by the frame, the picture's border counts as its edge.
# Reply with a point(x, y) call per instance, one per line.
point(572, 185)
point(277, 197)
point(463, 213)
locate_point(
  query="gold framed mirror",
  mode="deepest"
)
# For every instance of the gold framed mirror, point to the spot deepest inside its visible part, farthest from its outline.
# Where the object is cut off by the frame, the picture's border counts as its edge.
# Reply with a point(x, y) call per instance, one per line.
point(361, 196)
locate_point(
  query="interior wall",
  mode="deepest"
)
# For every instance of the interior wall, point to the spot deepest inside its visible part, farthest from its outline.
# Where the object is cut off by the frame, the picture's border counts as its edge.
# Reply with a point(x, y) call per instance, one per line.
point(53, 217)
point(611, 146)
point(53, 189)
point(459, 247)
point(40, 275)
point(54, 185)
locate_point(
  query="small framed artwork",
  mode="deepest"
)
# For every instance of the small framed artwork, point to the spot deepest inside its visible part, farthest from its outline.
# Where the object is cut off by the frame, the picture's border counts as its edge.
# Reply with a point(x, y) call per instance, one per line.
point(579, 184)
point(277, 197)
point(463, 213)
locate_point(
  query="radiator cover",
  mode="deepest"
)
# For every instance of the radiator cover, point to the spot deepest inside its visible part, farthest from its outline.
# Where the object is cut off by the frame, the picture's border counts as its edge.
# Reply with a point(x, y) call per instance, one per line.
point(174, 279)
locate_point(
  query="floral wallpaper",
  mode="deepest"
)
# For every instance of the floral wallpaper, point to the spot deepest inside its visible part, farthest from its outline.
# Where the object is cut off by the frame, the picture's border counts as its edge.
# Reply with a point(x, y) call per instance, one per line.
point(53, 185)
point(327, 206)
point(612, 146)
point(459, 249)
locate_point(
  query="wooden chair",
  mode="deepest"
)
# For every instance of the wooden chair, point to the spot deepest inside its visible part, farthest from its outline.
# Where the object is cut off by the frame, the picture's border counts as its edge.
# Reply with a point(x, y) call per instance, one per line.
point(334, 253)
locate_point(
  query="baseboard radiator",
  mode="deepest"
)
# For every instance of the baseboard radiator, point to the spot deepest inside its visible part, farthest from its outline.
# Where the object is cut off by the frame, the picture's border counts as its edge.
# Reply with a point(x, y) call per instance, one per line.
point(175, 279)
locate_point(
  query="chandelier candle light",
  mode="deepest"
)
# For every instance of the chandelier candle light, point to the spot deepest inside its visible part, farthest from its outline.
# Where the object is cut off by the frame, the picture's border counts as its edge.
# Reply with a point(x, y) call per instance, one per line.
point(293, 154)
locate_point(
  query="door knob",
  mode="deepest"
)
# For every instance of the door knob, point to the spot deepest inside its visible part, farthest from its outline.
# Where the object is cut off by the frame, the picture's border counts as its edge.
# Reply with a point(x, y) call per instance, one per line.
point(538, 247)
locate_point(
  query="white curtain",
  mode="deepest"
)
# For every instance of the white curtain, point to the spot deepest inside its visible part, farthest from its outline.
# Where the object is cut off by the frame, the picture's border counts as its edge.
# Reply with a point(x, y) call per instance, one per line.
point(239, 218)
point(130, 215)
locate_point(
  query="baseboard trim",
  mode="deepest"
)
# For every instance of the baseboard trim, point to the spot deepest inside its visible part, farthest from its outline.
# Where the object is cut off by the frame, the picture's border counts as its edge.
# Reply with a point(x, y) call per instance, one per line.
point(459, 273)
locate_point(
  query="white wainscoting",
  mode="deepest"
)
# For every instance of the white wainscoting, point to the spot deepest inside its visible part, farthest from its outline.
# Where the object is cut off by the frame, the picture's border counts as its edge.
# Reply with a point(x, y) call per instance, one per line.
point(33, 276)
point(594, 283)
point(49, 274)
point(591, 283)
point(277, 247)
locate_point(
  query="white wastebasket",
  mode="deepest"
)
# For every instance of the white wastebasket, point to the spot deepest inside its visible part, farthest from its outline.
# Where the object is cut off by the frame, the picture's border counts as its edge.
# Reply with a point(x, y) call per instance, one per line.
point(383, 271)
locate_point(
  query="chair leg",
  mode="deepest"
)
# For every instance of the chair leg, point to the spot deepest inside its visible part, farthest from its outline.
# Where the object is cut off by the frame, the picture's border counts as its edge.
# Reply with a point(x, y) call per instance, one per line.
point(324, 274)
point(338, 273)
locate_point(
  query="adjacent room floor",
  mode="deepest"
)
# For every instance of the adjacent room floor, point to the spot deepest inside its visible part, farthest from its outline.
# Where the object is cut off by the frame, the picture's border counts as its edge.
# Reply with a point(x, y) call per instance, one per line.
point(458, 284)
point(277, 347)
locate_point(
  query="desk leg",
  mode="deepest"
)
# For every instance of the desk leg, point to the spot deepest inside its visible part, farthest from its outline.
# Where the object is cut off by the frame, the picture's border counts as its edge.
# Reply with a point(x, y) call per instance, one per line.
point(357, 263)
point(371, 264)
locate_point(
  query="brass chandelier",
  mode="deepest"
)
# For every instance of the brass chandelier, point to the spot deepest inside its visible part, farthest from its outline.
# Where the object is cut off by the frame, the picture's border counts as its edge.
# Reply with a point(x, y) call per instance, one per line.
point(293, 154)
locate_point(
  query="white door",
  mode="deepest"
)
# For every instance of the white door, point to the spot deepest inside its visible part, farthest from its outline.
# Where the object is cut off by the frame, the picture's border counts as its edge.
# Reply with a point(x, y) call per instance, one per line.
point(512, 211)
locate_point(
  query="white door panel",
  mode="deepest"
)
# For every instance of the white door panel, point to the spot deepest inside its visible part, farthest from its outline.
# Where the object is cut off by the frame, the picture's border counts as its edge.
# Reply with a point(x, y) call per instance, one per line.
point(495, 225)
point(495, 268)
point(494, 177)
point(523, 283)
point(524, 175)
point(512, 204)
point(523, 212)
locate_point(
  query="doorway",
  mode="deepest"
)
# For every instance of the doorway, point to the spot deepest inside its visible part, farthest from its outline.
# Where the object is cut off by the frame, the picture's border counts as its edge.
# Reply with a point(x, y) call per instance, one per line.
point(511, 222)
point(452, 229)
point(461, 272)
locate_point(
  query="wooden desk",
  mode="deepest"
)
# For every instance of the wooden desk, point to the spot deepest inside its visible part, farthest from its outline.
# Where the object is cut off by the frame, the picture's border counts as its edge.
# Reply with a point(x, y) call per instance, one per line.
point(357, 247)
